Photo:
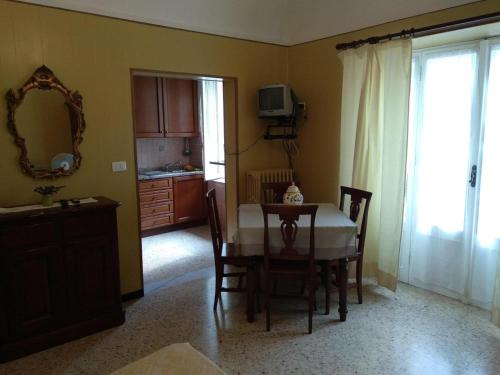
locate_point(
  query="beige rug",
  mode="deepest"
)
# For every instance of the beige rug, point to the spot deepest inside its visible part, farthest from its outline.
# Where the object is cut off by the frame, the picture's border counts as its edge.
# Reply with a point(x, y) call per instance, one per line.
point(175, 359)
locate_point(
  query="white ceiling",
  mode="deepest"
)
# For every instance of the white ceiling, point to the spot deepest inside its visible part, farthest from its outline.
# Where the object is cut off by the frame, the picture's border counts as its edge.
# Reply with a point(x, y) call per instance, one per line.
point(285, 22)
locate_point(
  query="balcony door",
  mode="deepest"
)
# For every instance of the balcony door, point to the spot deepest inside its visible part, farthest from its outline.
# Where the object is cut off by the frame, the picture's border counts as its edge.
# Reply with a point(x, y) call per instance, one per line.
point(451, 226)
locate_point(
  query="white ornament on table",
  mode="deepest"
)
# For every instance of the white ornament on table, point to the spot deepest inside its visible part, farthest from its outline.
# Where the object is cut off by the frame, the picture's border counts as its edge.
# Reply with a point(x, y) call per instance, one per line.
point(293, 195)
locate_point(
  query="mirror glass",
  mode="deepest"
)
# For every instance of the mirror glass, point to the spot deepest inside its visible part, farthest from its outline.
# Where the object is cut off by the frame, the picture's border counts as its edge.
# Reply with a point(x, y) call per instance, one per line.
point(43, 121)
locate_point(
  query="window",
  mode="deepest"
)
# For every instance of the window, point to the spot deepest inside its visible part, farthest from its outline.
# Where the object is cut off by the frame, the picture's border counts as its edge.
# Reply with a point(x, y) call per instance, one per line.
point(212, 108)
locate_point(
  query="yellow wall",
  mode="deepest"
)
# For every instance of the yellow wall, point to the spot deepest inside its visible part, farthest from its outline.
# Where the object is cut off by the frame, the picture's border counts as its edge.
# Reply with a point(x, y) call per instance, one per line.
point(315, 73)
point(94, 55)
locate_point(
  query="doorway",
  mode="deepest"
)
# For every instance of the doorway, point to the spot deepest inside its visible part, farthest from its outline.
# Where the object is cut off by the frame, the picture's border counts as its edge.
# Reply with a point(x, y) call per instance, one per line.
point(181, 244)
point(451, 225)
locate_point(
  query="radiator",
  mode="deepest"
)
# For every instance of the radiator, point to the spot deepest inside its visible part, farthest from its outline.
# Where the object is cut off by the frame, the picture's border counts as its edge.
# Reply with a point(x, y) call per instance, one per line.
point(256, 177)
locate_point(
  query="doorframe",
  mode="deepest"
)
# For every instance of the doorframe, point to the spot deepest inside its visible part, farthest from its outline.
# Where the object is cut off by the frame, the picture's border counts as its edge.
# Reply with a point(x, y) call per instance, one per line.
point(234, 145)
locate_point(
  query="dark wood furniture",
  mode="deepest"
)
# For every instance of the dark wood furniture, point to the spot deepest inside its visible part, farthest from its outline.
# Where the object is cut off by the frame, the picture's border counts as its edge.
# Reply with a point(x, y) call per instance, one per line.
point(220, 193)
point(356, 197)
point(59, 276)
point(227, 255)
point(156, 201)
point(165, 107)
point(288, 261)
point(189, 204)
point(272, 192)
point(44, 79)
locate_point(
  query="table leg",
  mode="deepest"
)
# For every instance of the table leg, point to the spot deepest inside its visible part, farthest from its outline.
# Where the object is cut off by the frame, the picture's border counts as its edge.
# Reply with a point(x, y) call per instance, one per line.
point(342, 285)
point(250, 293)
point(327, 275)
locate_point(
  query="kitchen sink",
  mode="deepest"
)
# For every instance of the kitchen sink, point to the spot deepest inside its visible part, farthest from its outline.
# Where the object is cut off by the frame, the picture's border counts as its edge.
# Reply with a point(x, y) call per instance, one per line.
point(153, 173)
point(161, 172)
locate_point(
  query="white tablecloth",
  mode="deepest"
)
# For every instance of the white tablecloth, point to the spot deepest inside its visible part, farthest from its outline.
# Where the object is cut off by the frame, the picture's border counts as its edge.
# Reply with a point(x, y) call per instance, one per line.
point(335, 233)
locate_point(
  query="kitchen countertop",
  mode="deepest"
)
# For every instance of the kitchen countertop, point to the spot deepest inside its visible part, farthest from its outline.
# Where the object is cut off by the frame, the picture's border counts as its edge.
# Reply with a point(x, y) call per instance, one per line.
point(143, 177)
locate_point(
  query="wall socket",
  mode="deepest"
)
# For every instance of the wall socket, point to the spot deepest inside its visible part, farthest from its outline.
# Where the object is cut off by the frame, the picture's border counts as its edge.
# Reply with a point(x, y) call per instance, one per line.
point(119, 166)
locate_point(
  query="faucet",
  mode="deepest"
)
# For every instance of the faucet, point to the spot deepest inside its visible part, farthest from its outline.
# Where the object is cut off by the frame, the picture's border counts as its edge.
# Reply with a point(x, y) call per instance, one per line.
point(173, 166)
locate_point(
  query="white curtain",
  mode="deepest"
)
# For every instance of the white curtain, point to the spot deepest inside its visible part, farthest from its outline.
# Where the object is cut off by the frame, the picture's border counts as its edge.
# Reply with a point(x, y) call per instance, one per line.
point(375, 97)
point(213, 127)
point(487, 243)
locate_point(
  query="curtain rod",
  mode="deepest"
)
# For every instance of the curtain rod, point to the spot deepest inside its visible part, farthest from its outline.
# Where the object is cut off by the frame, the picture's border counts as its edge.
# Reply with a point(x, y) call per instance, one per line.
point(423, 31)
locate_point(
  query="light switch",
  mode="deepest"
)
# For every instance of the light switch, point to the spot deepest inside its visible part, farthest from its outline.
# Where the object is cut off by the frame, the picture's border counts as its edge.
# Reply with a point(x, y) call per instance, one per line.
point(119, 166)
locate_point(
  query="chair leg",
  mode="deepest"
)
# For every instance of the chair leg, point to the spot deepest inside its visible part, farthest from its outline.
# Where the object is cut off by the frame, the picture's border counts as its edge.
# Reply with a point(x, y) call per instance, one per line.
point(327, 272)
point(219, 271)
point(240, 282)
point(257, 288)
point(250, 291)
point(268, 305)
point(359, 279)
point(312, 302)
point(275, 286)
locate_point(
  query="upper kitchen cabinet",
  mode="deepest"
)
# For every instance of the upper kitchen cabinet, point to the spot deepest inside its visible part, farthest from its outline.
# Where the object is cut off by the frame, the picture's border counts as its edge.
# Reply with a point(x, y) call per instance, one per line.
point(180, 107)
point(165, 107)
point(148, 117)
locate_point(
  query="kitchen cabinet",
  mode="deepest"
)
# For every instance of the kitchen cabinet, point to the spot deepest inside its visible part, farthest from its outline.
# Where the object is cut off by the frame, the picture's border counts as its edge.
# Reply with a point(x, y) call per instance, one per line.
point(174, 200)
point(147, 94)
point(165, 107)
point(156, 203)
point(180, 107)
point(189, 198)
point(59, 276)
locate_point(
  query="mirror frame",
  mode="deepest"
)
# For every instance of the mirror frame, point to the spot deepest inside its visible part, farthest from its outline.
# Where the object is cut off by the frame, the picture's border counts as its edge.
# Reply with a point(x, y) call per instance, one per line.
point(44, 79)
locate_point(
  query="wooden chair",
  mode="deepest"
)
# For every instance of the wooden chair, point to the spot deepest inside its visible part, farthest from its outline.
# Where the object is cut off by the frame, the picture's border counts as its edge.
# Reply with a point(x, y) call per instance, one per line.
point(273, 192)
point(288, 262)
point(227, 254)
point(357, 196)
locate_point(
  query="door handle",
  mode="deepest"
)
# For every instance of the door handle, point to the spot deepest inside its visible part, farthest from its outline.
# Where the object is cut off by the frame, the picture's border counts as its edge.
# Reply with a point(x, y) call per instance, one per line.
point(473, 176)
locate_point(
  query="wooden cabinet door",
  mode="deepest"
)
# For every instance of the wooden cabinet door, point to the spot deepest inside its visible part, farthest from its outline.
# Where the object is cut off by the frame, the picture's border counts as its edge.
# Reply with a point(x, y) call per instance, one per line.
point(180, 107)
point(189, 202)
point(34, 292)
point(148, 112)
point(91, 265)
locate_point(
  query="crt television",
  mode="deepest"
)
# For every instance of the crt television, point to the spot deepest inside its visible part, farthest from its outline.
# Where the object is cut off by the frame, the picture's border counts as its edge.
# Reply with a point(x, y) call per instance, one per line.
point(276, 101)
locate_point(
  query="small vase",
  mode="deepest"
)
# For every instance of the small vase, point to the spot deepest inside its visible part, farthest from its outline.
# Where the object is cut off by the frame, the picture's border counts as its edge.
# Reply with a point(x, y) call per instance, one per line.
point(293, 195)
point(47, 200)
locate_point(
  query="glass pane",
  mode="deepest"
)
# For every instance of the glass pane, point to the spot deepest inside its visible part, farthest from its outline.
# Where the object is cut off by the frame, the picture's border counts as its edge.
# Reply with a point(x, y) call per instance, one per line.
point(489, 203)
point(442, 162)
point(213, 127)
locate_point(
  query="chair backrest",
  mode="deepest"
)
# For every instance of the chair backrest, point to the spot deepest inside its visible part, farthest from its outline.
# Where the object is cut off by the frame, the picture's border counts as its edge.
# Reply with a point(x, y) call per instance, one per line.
point(289, 216)
point(357, 197)
point(215, 228)
point(273, 192)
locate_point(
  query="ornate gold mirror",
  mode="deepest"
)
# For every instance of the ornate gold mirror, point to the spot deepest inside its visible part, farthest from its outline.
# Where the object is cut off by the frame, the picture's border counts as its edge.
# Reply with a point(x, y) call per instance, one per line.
point(46, 118)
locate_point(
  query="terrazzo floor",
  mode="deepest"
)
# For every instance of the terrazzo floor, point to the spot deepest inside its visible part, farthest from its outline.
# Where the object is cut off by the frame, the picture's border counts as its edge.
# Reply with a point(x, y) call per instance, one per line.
point(411, 331)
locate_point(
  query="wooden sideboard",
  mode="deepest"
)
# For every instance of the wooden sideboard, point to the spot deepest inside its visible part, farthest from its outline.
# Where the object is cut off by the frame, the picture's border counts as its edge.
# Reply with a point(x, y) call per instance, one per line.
point(59, 276)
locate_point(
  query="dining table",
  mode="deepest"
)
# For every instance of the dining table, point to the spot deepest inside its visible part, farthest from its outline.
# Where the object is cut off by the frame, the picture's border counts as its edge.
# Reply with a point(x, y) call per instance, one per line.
point(334, 234)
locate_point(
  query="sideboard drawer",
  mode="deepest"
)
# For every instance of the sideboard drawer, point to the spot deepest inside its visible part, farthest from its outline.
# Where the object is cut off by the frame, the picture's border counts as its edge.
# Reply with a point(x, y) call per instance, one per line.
point(27, 235)
point(89, 224)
